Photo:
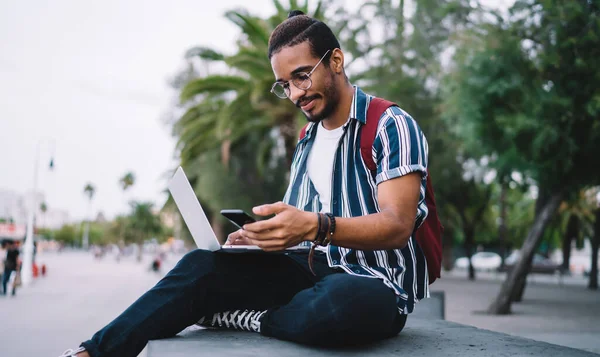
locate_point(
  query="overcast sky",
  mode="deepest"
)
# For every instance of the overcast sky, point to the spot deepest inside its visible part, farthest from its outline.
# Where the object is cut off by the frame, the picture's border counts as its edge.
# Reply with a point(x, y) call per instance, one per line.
point(92, 77)
point(88, 80)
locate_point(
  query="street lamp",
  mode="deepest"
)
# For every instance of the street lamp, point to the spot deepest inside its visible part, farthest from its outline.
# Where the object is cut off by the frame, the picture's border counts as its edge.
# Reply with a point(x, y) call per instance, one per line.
point(27, 268)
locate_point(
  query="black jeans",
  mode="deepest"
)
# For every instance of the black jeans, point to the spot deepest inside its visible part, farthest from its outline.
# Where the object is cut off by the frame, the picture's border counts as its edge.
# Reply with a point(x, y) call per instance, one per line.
point(332, 308)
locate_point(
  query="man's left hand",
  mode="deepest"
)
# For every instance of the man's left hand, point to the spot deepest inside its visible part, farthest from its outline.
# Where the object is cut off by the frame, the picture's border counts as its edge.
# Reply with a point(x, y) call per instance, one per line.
point(288, 228)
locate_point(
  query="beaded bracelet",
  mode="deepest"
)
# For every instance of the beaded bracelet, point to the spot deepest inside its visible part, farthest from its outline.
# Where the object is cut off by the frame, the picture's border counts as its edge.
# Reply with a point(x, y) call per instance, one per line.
point(329, 237)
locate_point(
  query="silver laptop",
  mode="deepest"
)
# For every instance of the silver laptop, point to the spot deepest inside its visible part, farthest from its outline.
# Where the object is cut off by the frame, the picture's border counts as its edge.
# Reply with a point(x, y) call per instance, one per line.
point(196, 220)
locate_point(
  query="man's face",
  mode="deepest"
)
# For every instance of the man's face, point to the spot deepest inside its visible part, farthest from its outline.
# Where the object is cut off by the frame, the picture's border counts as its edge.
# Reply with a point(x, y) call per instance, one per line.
point(322, 98)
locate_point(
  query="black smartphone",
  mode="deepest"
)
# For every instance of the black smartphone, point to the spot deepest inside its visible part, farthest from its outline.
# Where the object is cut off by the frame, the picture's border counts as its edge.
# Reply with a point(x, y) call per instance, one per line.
point(237, 217)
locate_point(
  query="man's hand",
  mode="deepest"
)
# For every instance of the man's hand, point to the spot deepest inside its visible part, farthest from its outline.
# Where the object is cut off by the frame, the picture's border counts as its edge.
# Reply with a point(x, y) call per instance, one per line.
point(236, 238)
point(288, 228)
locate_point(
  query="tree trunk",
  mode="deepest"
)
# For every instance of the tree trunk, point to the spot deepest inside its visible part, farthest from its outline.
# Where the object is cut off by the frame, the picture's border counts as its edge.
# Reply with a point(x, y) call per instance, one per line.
point(469, 247)
point(593, 285)
point(501, 305)
point(521, 283)
point(447, 246)
point(140, 251)
point(502, 226)
point(570, 234)
point(519, 290)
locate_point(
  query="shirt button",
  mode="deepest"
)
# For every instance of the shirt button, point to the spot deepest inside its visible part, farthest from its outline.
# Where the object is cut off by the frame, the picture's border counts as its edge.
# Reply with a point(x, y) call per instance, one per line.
point(335, 262)
point(335, 202)
point(357, 271)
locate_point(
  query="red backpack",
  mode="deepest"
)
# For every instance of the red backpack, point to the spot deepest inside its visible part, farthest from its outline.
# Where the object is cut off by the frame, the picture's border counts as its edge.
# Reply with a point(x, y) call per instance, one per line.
point(429, 234)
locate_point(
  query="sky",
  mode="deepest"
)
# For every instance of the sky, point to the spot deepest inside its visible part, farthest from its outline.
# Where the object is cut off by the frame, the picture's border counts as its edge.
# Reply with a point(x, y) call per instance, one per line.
point(88, 82)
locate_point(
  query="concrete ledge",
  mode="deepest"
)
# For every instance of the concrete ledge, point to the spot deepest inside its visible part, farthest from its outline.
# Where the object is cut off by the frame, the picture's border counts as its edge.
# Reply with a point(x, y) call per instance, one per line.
point(432, 308)
point(420, 337)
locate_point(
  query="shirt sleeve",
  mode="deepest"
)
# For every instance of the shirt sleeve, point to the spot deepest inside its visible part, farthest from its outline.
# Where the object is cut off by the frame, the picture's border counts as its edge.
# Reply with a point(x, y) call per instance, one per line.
point(400, 146)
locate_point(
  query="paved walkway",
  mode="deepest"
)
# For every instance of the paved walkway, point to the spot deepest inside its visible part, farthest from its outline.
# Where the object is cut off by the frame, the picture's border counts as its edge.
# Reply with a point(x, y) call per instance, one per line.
point(81, 294)
point(567, 314)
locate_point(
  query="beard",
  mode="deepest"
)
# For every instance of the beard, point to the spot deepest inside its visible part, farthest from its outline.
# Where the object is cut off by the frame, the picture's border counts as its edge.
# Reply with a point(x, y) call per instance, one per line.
point(331, 99)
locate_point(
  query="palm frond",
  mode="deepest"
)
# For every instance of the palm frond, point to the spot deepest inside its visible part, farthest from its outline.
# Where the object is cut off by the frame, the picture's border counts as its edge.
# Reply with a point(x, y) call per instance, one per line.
point(252, 62)
point(254, 28)
point(216, 84)
point(280, 9)
point(204, 53)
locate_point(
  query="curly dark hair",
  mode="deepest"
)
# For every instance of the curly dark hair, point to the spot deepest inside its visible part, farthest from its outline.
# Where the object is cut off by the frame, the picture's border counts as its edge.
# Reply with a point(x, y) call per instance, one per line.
point(298, 28)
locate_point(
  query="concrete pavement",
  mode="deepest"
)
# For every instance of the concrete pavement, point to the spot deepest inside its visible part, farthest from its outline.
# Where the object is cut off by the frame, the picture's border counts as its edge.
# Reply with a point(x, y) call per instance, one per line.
point(81, 294)
point(567, 314)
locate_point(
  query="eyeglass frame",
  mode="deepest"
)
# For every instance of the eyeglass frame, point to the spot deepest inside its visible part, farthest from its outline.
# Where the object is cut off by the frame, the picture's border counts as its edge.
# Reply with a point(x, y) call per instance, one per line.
point(288, 91)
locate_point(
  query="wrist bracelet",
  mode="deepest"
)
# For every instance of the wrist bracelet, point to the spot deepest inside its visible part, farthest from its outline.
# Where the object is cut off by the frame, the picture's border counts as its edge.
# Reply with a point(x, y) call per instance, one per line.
point(318, 227)
point(331, 228)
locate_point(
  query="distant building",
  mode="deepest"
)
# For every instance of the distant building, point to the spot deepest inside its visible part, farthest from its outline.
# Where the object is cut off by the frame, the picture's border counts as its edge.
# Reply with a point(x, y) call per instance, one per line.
point(14, 208)
point(12, 231)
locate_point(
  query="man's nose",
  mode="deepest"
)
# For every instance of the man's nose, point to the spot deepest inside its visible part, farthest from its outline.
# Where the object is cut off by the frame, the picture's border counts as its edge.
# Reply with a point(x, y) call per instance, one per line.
point(296, 93)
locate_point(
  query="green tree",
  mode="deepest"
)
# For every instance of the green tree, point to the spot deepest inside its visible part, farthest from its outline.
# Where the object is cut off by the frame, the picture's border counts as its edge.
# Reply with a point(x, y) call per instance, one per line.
point(127, 181)
point(236, 139)
point(227, 107)
point(89, 190)
point(43, 209)
point(403, 64)
point(576, 221)
point(143, 224)
point(515, 93)
point(67, 235)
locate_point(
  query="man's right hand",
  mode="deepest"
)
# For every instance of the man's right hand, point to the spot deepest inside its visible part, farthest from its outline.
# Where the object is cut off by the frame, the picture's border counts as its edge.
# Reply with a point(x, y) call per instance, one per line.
point(236, 238)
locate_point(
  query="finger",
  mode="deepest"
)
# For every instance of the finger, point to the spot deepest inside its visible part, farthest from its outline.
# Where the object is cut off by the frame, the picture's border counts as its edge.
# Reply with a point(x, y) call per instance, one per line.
point(269, 209)
point(241, 241)
point(270, 245)
point(233, 236)
point(263, 226)
point(256, 235)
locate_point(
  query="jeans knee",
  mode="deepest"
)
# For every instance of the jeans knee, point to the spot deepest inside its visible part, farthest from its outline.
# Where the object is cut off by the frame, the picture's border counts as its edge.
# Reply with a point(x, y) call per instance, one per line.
point(197, 262)
point(354, 299)
point(197, 255)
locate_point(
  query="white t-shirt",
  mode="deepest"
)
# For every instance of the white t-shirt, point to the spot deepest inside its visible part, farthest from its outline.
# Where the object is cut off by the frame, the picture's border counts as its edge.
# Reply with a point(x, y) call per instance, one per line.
point(320, 163)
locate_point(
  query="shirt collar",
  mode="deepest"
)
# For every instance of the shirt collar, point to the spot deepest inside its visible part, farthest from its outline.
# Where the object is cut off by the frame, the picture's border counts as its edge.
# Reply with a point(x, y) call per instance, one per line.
point(358, 111)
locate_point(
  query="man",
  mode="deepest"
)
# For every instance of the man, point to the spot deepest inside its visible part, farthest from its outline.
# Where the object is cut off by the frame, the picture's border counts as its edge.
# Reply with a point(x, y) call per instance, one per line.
point(369, 271)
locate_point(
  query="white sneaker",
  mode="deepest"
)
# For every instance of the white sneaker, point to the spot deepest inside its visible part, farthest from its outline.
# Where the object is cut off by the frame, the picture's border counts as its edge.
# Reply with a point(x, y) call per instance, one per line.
point(72, 353)
point(246, 320)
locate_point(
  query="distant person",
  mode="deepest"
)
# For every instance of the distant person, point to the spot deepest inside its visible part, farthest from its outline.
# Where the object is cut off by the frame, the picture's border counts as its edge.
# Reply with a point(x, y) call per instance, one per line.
point(365, 271)
point(11, 265)
point(3, 251)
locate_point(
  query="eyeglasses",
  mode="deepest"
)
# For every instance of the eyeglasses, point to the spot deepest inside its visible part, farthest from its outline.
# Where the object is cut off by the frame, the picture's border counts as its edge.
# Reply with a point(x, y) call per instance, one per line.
point(300, 80)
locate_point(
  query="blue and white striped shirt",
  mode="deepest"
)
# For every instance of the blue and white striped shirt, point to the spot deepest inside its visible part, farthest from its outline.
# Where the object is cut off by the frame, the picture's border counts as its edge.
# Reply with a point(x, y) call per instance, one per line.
point(399, 148)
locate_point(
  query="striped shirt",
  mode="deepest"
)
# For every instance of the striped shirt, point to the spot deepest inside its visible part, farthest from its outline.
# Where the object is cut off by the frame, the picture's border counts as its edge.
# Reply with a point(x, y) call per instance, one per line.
point(399, 148)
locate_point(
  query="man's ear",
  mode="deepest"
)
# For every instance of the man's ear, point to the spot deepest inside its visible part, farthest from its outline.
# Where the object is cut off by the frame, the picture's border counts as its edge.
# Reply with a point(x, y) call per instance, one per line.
point(336, 61)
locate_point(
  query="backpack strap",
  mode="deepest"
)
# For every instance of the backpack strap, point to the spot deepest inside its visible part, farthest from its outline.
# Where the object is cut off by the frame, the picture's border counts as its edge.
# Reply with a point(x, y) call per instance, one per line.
point(377, 107)
point(303, 132)
point(429, 234)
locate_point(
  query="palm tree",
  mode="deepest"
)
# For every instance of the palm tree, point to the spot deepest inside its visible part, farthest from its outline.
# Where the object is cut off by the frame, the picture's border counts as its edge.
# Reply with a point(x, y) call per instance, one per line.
point(235, 138)
point(89, 190)
point(576, 216)
point(43, 209)
point(143, 223)
point(126, 182)
point(224, 108)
